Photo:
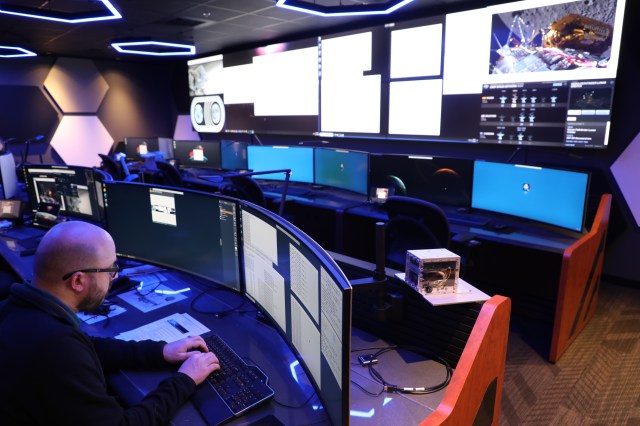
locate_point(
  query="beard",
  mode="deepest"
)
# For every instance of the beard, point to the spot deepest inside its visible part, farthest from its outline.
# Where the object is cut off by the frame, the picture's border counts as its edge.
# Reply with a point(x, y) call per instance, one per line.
point(93, 299)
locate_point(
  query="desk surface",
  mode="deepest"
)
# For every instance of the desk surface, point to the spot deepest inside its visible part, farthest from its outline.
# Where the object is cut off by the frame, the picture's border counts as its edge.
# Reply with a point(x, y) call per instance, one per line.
point(260, 344)
point(295, 401)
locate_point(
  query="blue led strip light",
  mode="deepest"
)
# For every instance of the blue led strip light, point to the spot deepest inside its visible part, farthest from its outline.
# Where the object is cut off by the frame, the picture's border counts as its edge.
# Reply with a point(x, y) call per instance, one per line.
point(383, 8)
point(167, 49)
point(109, 12)
point(14, 52)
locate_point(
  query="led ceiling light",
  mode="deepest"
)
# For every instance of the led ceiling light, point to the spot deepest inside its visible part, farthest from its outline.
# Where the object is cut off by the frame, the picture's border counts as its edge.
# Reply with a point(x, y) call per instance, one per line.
point(14, 52)
point(341, 8)
point(106, 11)
point(154, 48)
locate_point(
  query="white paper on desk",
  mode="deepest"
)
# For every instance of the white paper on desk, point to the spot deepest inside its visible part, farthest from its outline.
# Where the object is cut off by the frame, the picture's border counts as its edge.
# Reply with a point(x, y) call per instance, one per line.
point(147, 299)
point(168, 329)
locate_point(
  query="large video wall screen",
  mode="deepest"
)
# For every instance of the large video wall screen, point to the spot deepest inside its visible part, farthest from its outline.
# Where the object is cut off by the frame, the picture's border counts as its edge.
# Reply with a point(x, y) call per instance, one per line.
point(534, 72)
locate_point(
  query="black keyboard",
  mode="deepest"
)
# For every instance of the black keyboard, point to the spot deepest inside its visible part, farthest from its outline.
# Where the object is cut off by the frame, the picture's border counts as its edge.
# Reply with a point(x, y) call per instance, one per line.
point(241, 386)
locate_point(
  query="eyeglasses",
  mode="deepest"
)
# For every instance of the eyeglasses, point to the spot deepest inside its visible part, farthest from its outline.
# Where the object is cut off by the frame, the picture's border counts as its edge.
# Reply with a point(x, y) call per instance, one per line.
point(113, 271)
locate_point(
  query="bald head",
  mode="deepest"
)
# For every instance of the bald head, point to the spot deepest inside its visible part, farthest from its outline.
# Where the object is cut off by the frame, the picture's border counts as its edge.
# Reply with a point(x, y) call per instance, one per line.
point(68, 247)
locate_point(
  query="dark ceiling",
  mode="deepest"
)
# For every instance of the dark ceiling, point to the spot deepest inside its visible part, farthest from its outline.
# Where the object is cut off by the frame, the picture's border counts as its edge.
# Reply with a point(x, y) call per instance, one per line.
point(212, 25)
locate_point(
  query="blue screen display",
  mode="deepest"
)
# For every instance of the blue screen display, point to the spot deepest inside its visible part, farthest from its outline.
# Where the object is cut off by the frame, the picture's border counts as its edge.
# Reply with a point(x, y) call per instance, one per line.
point(556, 197)
point(233, 155)
point(342, 169)
point(298, 159)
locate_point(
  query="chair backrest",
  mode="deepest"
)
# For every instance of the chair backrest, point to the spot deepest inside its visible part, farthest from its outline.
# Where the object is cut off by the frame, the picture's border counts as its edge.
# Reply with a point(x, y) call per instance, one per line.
point(110, 166)
point(413, 224)
point(101, 175)
point(168, 174)
point(244, 188)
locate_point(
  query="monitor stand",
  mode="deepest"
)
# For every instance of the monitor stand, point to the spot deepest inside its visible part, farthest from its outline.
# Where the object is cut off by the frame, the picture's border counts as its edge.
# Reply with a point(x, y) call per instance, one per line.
point(388, 306)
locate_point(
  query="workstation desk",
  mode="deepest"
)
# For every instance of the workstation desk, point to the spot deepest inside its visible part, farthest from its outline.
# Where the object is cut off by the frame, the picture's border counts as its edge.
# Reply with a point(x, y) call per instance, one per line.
point(474, 342)
point(551, 276)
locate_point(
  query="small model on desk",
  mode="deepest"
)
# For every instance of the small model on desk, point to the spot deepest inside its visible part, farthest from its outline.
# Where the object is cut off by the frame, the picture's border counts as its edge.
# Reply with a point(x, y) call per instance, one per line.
point(432, 271)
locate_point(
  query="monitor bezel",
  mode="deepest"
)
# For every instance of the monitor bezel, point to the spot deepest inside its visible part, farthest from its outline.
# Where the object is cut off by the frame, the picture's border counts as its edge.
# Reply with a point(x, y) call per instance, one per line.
point(366, 154)
point(97, 215)
point(347, 293)
point(552, 225)
point(239, 288)
point(216, 145)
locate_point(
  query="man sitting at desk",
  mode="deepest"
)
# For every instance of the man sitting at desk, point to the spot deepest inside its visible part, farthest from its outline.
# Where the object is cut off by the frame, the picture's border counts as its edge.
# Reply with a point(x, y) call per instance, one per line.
point(52, 372)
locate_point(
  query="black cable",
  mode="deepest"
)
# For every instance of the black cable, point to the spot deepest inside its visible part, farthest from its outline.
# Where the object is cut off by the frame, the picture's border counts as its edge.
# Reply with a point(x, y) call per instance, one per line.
point(389, 387)
point(306, 401)
point(217, 314)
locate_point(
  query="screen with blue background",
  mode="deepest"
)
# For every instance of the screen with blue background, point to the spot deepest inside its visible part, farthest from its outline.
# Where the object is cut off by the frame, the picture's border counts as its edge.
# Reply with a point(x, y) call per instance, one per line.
point(233, 155)
point(556, 197)
point(342, 169)
point(298, 159)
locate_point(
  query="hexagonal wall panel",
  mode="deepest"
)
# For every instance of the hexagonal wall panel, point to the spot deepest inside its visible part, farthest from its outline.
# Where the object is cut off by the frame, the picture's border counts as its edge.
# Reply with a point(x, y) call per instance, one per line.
point(76, 85)
point(79, 139)
point(25, 112)
point(625, 172)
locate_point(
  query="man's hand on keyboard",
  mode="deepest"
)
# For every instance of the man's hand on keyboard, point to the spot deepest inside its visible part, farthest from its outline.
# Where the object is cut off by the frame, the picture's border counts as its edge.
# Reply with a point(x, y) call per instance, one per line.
point(182, 349)
point(199, 365)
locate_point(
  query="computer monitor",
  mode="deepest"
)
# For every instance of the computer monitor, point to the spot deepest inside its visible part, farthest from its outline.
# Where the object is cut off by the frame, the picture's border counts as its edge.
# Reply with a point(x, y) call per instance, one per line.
point(298, 159)
point(198, 154)
point(553, 196)
point(440, 180)
point(299, 287)
point(135, 148)
point(234, 155)
point(73, 188)
point(342, 169)
point(185, 230)
point(8, 175)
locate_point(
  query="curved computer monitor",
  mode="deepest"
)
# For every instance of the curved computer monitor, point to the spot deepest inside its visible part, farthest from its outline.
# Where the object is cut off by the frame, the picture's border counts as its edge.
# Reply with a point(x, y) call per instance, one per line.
point(187, 230)
point(73, 188)
point(343, 169)
point(298, 159)
point(308, 298)
point(553, 196)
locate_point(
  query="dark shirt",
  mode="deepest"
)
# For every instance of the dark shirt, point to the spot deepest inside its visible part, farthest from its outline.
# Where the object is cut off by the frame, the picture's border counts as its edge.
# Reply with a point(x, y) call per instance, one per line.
point(54, 374)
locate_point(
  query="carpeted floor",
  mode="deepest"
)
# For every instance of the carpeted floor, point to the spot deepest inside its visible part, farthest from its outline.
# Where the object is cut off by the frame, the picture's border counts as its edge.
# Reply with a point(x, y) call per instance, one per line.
point(595, 382)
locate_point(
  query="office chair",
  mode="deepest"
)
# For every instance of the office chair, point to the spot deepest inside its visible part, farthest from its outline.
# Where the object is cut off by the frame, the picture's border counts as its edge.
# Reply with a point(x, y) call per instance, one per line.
point(101, 175)
point(244, 188)
point(117, 170)
point(413, 224)
point(167, 174)
point(110, 166)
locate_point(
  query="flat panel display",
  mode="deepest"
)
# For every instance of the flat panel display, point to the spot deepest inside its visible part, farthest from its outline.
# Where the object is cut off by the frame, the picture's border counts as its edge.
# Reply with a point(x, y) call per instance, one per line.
point(530, 73)
point(308, 298)
point(197, 154)
point(298, 159)
point(9, 178)
point(73, 188)
point(186, 230)
point(553, 196)
point(440, 180)
point(234, 155)
point(135, 148)
point(342, 169)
